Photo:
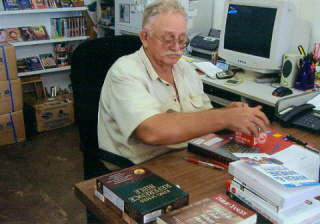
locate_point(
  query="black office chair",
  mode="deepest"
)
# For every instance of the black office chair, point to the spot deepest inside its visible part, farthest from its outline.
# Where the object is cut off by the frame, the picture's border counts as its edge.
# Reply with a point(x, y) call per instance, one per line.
point(90, 62)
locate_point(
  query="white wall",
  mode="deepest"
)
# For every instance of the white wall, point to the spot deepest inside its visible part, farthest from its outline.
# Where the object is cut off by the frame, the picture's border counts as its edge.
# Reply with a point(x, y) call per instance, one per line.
point(308, 10)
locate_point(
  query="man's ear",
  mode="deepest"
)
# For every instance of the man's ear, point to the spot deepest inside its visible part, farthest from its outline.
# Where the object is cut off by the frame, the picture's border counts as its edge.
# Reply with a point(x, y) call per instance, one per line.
point(144, 38)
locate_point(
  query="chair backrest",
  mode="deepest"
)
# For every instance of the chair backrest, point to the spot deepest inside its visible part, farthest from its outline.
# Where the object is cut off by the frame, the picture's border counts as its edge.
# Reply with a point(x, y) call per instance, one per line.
point(90, 62)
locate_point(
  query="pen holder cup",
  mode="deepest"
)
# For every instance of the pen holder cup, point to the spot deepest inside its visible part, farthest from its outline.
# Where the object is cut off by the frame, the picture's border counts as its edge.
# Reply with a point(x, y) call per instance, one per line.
point(305, 79)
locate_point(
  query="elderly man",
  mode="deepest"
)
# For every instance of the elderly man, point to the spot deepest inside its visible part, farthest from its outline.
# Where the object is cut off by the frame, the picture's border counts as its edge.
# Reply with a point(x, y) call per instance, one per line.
point(152, 101)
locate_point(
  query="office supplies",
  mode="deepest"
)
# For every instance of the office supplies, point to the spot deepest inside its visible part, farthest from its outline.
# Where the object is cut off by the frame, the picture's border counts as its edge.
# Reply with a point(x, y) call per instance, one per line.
point(140, 194)
point(299, 142)
point(301, 50)
point(203, 163)
point(215, 209)
point(234, 81)
point(208, 68)
point(282, 91)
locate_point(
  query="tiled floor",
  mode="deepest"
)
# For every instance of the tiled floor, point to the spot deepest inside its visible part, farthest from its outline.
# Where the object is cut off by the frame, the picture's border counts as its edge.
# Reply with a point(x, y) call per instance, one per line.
point(37, 179)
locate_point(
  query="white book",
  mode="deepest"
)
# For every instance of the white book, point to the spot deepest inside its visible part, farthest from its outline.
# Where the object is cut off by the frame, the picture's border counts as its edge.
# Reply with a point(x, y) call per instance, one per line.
point(208, 68)
point(264, 185)
point(305, 213)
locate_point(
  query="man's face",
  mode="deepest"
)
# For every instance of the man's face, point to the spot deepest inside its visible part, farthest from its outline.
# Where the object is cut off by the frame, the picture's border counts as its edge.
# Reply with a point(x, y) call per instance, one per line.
point(166, 27)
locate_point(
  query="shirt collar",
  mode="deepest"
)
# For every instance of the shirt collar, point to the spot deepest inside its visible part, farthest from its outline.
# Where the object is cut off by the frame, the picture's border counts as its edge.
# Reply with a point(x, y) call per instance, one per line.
point(177, 68)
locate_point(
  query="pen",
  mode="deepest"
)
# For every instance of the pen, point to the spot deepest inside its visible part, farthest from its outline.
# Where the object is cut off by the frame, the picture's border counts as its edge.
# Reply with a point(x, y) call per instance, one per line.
point(204, 163)
point(299, 142)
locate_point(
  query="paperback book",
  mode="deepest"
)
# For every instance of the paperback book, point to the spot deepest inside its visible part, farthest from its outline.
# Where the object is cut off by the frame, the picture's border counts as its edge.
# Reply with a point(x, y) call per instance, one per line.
point(39, 4)
point(40, 32)
point(48, 61)
point(140, 194)
point(224, 147)
point(22, 65)
point(264, 185)
point(34, 63)
point(11, 5)
point(27, 34)
point(3, 36)
point(216, 209)
point(13, 35)
point(25, 4)
point(306, 212)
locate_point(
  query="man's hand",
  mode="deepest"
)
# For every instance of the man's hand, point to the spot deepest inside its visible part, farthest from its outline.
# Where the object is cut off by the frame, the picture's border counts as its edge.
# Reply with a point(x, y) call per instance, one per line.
point(237, 104)
point(246, 119)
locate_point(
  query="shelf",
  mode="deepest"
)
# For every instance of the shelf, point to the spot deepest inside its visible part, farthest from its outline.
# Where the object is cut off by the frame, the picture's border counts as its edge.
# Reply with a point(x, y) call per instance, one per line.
point(106, 27)
point(27, 43)
point(50, 70)
point(33, 11)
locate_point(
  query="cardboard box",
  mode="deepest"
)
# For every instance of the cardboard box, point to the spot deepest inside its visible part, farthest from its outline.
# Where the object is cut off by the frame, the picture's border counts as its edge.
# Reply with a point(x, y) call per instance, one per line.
point(8, 60)
point(11, 98)
point(12, 132)
point(52, 113)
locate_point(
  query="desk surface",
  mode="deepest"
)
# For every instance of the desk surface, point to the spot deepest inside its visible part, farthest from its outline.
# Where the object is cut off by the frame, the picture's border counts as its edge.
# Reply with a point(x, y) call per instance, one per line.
point(200, 182)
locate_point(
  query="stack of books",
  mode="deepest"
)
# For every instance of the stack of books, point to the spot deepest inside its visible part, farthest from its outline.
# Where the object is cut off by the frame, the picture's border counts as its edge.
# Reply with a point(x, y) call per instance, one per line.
point(138, 195)
point(281, 188)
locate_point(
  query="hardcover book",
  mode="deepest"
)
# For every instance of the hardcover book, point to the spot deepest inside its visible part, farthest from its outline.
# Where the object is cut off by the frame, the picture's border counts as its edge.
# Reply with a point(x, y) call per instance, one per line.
point(217, 209)
point(47, 61)
point(40, 32)
point(305, 212)
point(25, 4)
point(34, 63)
point(13, 35)
point(27, 34)
point(11, 5)
point(282, 196)
point(140, 194)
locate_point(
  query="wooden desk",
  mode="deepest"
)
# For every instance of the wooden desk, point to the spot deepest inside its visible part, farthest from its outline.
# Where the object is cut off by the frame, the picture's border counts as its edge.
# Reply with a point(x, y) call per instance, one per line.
point(200, 182)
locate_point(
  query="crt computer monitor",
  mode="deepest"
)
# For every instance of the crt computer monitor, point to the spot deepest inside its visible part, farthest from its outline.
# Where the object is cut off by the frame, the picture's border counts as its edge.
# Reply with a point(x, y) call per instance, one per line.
point(256, 33)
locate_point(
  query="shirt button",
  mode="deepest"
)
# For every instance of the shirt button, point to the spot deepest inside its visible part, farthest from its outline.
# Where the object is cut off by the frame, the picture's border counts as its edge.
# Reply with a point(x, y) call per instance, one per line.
point(175, 100)
point(167, 84)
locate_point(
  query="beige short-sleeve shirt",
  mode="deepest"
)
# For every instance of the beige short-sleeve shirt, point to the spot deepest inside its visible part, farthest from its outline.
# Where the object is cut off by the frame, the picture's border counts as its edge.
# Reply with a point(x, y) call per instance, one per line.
point(133, 92)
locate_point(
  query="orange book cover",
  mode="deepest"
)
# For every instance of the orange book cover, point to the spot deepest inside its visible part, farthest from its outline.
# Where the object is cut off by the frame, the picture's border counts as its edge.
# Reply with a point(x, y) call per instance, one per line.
point(39, 4)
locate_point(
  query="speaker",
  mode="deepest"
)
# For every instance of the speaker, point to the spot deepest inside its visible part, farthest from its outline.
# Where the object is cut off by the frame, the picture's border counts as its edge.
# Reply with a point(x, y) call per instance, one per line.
point(289, 69)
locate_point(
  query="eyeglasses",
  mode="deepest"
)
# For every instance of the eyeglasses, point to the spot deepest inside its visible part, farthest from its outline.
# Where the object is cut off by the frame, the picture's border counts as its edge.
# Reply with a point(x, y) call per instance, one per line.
point(172, 41)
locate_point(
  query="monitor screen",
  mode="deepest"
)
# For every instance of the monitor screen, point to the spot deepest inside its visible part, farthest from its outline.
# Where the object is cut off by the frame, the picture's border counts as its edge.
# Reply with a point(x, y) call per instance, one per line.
point(249, 29)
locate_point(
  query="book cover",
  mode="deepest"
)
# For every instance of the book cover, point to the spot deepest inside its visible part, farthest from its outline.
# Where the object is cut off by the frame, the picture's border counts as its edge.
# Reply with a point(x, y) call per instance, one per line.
point(306, 212)
point(224, 147)
point(48, 61)
point(40, 32)
point(27, 34)
point(216, 209)
point(39, 4)
point(3, 36)
point(13, 35)
point(277, 193)
point(22, 65)
point(34, 63)
point(66, 3)
point(141, 194)
point(11, 5)
point(25, 4)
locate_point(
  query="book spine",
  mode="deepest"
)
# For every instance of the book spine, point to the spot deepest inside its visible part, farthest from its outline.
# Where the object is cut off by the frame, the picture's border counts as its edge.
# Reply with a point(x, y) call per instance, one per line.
point(204, 152)
point(247, 180)
point(257, 207)
point(256, 196)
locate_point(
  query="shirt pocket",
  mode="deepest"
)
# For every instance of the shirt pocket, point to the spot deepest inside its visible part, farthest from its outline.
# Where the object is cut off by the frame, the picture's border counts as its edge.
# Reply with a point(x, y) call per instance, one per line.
point(196, 101)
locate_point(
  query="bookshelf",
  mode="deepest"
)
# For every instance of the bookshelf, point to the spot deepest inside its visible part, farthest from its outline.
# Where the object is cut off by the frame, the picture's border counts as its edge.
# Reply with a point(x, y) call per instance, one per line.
point(41, 17)
point(103, 28)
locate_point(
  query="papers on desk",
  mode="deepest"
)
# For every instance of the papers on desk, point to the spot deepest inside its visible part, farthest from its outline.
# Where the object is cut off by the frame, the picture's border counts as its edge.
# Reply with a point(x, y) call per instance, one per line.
point(315, 101)
point(208, 68)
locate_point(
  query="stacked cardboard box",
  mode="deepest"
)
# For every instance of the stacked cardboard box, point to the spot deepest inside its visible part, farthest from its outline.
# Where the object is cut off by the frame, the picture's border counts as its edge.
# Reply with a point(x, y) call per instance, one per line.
point(12, 128)
point(51, 113)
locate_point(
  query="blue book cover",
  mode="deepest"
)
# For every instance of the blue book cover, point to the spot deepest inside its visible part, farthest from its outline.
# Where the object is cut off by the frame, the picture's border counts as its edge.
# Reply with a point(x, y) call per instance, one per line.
point(25, 4)
point(11, 5)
